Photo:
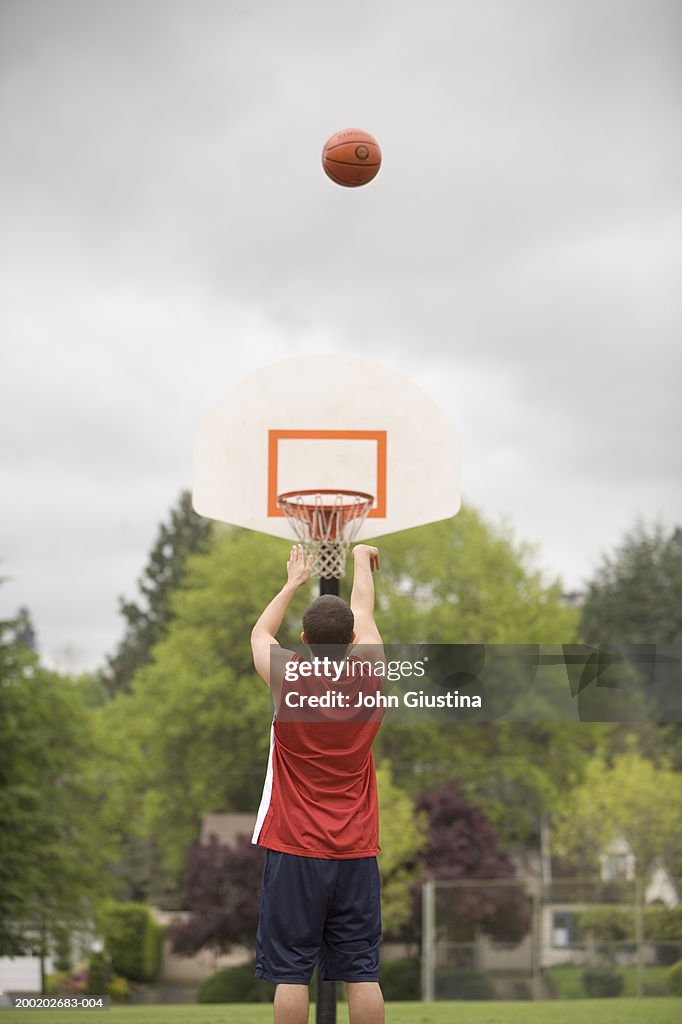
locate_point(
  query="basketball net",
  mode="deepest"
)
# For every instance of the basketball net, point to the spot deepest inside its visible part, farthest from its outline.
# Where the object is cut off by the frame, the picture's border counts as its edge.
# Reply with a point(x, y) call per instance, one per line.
point(326, 522)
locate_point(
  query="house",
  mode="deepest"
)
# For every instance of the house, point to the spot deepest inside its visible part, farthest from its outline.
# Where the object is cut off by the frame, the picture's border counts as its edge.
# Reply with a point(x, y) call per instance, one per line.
point(557, 904)
point(615, 886)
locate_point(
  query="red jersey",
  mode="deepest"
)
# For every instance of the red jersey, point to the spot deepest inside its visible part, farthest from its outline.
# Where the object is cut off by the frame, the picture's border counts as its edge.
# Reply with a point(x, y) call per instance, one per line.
point(320, 794)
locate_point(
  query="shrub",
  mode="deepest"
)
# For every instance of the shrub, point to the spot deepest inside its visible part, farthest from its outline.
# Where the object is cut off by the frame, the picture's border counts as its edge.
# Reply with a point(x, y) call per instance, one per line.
point(606, 924)
point(153, 948)
point(55, 984)
point(119, 990)
point(674, 979)
point(236, 985)
point(463, 984)
point(62, 950)
point(600, 982)
point(97, 974)
point(132, 939)
point(664, 927)
point(399, 980)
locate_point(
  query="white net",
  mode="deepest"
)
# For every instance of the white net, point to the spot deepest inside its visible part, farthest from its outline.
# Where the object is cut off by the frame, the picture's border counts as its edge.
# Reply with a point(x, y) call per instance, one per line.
point(326, 523)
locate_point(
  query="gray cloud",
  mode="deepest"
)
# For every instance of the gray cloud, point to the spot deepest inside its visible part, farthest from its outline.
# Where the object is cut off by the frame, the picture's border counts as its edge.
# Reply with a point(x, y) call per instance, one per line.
point(167, 229)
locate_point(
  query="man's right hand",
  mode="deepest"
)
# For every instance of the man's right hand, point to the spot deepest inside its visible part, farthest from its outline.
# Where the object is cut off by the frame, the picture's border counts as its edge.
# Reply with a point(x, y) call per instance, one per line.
point(367, 551)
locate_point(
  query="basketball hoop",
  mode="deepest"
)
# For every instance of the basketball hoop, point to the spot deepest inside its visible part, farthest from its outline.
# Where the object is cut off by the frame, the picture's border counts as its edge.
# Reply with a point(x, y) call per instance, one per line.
point(326, 522)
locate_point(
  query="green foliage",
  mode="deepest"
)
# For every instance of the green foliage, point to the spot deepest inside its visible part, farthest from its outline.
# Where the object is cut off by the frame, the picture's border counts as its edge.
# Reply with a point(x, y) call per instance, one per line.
point(463, 984)
point(186, 534)
point(606, 924)
point(97, 974)
point(400, 979)
point(674, 979)
point(403, 834)
point(57, 983)
point(131, 939)
point(118, 989)
point(631, 796)
point(636, 595)
point(465, 581)
point(236, 985)
point(53, 853)
point(153, 948)
point(600, 982)
point(62, 949)
point(663, 923)
point(192, 735)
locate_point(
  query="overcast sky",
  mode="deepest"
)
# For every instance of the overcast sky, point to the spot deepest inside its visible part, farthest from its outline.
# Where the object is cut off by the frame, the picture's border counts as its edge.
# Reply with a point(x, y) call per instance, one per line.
point(167, 229)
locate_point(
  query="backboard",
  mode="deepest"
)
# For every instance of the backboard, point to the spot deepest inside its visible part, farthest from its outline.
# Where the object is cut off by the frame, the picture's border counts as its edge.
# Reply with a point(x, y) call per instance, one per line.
point(326, 421)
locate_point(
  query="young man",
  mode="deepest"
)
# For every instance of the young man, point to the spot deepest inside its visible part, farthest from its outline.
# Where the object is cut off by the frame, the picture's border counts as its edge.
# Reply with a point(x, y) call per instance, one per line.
point(318, 818)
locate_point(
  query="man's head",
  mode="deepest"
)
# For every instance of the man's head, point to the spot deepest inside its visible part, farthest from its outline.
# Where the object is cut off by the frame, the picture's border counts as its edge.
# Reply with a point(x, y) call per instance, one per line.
point(328, 621)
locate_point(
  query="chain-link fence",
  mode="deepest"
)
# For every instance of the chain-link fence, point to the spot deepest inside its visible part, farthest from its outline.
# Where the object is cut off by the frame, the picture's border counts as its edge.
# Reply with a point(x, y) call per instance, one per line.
point(528, 939)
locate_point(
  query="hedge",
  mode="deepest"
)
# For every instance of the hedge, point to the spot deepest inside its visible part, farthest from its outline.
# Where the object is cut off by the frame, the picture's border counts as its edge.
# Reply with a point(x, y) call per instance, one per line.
point(236, 985)
point(133, 940)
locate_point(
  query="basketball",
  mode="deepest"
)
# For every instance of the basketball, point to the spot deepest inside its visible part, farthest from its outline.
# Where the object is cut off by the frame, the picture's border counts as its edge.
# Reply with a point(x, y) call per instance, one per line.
point(351, 157)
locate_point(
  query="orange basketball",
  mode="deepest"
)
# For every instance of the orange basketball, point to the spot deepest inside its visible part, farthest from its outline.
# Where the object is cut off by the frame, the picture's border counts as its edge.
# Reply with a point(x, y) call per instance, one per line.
point(351, 157)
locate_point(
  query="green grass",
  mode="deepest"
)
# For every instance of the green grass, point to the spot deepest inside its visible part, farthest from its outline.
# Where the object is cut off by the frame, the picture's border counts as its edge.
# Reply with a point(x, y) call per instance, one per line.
point(596, 1011)
point(567, 980)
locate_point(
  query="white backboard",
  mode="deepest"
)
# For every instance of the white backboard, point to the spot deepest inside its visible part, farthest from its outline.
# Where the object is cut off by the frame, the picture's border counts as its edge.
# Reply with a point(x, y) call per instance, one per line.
point(326, 421)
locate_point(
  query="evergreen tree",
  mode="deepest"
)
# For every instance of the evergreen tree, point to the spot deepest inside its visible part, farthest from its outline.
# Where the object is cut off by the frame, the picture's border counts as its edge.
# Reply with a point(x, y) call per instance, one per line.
point(146, 622)
point(24, 630)
point(636, 594)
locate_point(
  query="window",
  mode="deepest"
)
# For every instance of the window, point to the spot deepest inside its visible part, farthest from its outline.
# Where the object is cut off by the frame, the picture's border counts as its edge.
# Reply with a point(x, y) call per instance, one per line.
point(564, 929)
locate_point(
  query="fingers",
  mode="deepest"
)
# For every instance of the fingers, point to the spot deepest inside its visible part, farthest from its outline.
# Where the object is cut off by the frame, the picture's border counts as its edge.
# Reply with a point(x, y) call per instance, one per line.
point(298, 563)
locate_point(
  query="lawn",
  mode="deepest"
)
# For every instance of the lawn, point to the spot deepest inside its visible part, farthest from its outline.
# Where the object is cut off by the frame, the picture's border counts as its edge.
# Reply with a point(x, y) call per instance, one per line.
point(596, 1011)
point(566, 980)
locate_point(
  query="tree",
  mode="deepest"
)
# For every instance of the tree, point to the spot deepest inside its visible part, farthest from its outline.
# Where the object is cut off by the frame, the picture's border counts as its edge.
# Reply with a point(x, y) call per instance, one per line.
point(24, 630)
point(403, 834)
point(222, 886)
point(192, 734)
point(186, 534)
point(636, 594)
point(631, 797)
point(53, 854)
point(462, 846)
point(465, 581)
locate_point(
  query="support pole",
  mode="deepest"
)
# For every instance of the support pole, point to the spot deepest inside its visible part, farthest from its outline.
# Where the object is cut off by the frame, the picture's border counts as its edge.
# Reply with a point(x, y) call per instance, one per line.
point(428, 939)
point(326, 990)
point(639, 934)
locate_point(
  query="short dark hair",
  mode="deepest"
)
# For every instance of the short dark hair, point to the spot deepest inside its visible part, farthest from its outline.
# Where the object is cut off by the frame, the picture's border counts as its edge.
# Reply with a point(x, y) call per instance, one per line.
point(328, 620)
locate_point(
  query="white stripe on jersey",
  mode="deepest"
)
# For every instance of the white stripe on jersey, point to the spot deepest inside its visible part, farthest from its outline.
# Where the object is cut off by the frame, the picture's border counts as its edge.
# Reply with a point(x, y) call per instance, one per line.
point(267, 791)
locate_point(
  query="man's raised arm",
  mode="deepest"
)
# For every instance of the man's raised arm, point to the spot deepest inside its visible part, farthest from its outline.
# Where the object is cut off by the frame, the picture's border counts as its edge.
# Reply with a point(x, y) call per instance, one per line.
point(264, 632)
point(366, 561)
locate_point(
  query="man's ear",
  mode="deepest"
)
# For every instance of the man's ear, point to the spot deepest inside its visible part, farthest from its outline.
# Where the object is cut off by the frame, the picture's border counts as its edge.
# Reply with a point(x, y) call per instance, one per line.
point(304, 639)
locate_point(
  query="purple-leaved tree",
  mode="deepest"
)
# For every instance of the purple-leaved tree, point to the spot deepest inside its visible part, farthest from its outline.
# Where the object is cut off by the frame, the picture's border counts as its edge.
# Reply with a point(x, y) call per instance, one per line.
point(462, 845)
point(222, 887)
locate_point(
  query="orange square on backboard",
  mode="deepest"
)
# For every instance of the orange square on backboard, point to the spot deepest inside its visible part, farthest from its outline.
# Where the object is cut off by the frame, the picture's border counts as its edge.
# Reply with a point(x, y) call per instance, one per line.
point(377, 436)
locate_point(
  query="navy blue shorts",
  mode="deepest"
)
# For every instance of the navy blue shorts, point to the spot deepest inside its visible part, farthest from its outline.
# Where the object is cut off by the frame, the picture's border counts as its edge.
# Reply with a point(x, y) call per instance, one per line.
point(314, 910)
